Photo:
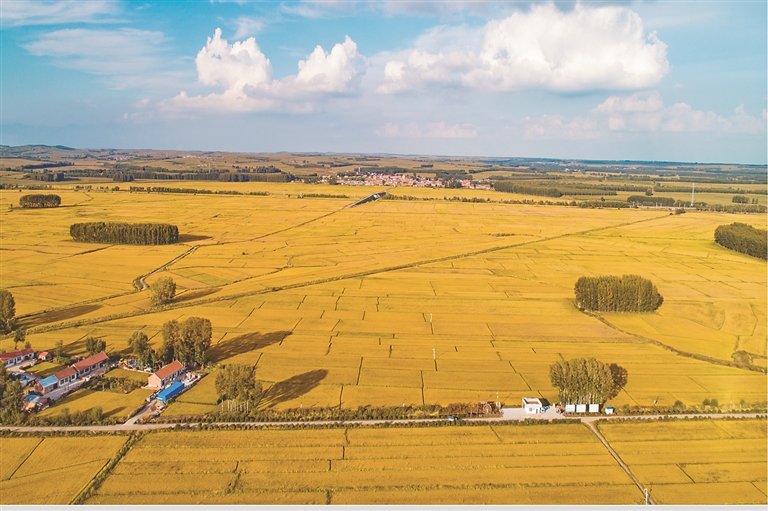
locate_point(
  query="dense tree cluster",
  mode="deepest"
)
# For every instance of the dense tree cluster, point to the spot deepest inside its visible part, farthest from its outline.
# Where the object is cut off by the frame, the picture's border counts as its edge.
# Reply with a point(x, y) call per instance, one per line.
point(7, 311)
point(509, 187)
point(238, 382)
point(186, 342)
point(125, 233)
point(94, 345)
point(740, 199)
point(644, 200)
point(743, 238)
point(584, 381)
point(162, 291)
point(40, 200)
point(609, 293)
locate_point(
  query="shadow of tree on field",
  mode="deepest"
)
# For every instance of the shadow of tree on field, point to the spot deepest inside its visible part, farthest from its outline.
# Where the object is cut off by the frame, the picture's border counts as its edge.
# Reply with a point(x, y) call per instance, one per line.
point(195, 294)
point(56, 316)
point(292, 388)
point(185, 238)
point(244, 343)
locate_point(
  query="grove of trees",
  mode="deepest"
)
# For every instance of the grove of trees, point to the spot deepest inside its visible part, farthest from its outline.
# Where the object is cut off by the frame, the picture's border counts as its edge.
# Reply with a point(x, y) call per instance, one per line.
point(238, 382)
point(162, 291)
point(125, 233)
point(743, 238)
point(40, 200)
point(186, 342)
point(139, 344)
point(7, 311)
point(94, 345)
point(609, 293)
point(509, 187)
point(587, 380)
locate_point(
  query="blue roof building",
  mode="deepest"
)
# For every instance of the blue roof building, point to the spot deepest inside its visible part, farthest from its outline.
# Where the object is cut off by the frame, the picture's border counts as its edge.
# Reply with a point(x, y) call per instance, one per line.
point(49, 383)
point(170, 392)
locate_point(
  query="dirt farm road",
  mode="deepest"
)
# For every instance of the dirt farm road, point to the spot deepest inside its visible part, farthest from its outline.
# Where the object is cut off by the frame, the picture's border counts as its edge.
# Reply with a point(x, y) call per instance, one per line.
point(153, 426)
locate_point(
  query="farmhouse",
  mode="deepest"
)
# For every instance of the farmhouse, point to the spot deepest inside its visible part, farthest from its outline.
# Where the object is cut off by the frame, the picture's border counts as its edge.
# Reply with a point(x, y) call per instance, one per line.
point(16, 357)
point(165, 374)
point(47, 385)
point(532, 405)
point(91, 364)
point(44, 355)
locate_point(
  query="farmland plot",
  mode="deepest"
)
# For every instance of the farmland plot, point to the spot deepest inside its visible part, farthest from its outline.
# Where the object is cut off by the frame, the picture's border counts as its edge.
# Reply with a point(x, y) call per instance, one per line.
point(511, 464)
point(696, 462)
point(69, 461)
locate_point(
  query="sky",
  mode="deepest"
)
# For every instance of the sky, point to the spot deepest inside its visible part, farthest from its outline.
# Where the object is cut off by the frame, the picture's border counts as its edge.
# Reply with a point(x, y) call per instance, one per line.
point(624, 80)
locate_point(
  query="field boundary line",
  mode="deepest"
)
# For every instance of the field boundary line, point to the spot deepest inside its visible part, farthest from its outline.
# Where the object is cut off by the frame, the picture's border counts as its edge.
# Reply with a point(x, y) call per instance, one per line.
point(696, 356)
point(93, 485)
point(618, 459)
point(25, 459)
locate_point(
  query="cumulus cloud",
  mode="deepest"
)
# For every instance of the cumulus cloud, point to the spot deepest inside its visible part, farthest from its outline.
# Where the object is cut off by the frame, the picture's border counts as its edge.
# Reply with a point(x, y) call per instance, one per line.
point(245, 74)
point(640, 113)
point(428, 130)
point(53, 13)
point(247, 26)
point(585, 49)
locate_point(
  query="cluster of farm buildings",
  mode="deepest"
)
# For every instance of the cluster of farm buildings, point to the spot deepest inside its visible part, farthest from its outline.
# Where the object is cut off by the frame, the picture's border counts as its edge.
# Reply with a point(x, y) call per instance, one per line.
point(373, 179)
point(41, 392)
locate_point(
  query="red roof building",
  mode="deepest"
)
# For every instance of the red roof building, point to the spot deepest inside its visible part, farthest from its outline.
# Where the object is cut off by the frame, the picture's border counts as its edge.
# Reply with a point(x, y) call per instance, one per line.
point(91, 364)
point(165, 374)
point(16, 357)
point(66, 375)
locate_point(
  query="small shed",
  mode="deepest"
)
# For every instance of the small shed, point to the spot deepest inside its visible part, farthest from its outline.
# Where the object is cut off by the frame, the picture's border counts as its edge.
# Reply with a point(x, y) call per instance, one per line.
point(594, 408)
point(173, 390)
point(44, 355)
point(532, 405)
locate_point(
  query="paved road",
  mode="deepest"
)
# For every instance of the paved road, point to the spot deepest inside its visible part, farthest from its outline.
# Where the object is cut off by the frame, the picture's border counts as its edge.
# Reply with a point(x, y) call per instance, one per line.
point(153, 426)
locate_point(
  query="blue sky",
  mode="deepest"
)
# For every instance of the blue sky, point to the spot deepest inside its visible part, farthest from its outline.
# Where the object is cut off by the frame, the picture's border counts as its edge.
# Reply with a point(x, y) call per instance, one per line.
point(648, 80)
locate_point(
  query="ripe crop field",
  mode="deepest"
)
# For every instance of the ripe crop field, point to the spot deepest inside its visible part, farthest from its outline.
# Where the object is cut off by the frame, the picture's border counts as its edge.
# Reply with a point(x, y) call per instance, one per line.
point(696, 462)
point(389, 303)
point(512, 464)
point(51, 470)
point(113, 404)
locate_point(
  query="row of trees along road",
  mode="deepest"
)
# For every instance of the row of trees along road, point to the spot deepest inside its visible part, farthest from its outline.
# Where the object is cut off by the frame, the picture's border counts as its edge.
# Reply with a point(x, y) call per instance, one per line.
point(743, 238)
point(585, 381)
point(125, 233)
point(186, 342)
point(609, 293)
point(40, 200)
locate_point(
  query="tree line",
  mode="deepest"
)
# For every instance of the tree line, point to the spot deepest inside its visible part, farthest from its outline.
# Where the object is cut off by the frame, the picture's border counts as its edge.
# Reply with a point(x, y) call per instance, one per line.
point(543, 191)
point(609, 293)
point(125, 233)
point(40, 200)
point(743, 238)
point(645, 200)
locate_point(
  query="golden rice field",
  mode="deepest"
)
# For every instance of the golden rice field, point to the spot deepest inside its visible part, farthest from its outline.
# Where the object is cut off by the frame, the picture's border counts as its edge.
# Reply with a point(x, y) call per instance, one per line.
point(696, 462)
point(52, 470)
point(389, 303)
point(510, 464)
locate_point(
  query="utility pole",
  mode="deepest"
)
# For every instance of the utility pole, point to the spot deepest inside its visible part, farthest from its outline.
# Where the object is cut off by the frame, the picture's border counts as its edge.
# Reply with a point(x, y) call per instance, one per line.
point(645, 490)
point(693, 188)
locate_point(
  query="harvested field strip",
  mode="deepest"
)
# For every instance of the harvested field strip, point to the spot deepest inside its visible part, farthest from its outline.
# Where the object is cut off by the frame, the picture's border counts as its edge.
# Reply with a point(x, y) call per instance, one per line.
point(60, 453)
point(216, 498)
point(163, 483)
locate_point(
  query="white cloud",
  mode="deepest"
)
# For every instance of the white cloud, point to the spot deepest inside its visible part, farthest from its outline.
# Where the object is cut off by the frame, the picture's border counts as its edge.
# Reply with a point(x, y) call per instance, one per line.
point(245, 74)
point(640, 113)
point(126, 57)
point(585, 49)
point(247, 26)
point(32, 12)
point(428, 130)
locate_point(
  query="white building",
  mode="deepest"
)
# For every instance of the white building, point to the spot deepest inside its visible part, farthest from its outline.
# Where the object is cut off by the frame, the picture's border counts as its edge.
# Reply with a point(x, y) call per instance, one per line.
point(532, 405)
